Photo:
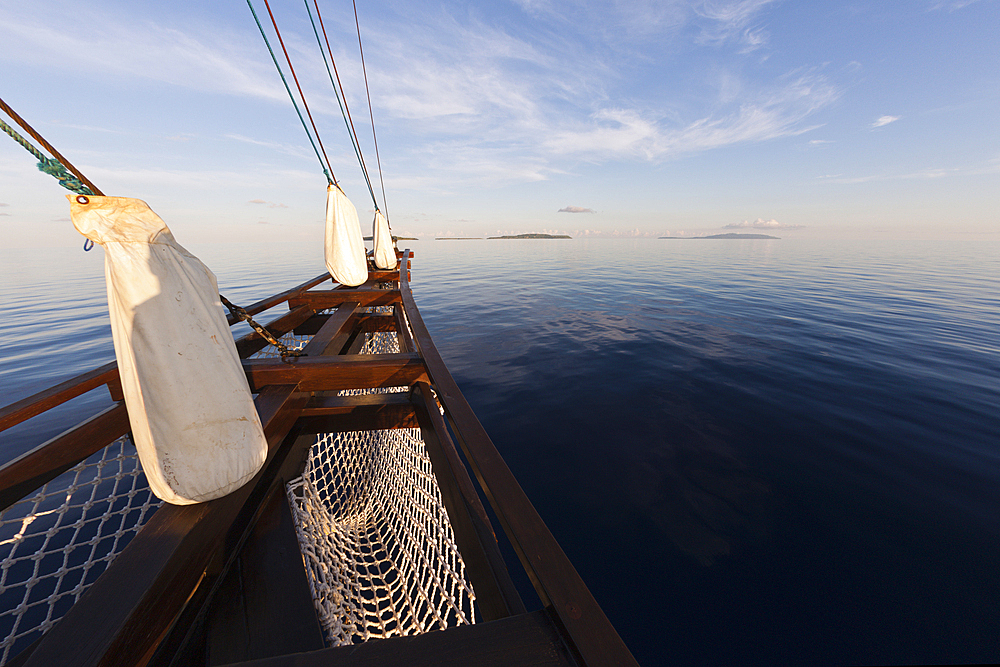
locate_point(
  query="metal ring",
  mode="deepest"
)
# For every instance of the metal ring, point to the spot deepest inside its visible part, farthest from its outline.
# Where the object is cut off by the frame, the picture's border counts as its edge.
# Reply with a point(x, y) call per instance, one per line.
point(82, 199)
point(88, 245)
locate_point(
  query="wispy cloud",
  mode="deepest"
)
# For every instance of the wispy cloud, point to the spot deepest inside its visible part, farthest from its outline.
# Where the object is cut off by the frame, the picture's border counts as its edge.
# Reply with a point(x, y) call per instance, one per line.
point(268, 204)
point(3, 204)
point(884, 120)
point(931, 173)
point(732, 21)
point(951, 5)
point(575, 209)
point(761, 223)
point(624, 133)
point(820, 142)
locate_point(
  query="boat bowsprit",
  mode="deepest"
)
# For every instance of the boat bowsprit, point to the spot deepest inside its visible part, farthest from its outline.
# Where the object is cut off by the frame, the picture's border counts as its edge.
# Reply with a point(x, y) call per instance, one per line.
point(367, 536)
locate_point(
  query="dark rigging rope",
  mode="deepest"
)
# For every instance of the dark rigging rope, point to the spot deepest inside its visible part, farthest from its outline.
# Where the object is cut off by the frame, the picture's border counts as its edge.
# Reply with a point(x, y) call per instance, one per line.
point(344, 108)
point(371, 114)
point(330, 177)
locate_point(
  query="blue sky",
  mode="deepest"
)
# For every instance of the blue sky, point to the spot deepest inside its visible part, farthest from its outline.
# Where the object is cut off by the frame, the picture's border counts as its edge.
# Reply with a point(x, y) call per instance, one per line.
point(598, 117)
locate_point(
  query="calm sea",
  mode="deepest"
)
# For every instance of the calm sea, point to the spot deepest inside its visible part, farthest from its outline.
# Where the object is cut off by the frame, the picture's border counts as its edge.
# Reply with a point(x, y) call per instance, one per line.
point(754, 452)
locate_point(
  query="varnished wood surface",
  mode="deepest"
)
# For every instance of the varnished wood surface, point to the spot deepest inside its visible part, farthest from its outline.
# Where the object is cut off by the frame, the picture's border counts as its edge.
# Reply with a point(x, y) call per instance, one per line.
point(525, 640)
point(254, 342)
point(346, 371)
point(496, 595)
point(47, 461)
point(26, 408)
point(124, 615)
point(277, 299)
point(334, 325)
point(264, 607)
point(322, 299)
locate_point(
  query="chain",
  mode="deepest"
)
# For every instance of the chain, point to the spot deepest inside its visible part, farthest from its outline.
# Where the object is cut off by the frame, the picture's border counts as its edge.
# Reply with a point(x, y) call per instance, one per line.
point(242, 314)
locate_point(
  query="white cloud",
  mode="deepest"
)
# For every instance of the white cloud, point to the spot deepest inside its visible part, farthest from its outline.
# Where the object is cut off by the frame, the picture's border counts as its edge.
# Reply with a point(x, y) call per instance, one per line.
point(576, 209)
point(761, 223)
point(732, 21)
point(267, 203)
point(820, 142)
point(951, 5)
point(884, 120)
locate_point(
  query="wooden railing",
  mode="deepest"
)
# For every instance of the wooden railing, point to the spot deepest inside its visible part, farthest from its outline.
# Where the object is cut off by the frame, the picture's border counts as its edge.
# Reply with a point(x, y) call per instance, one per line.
point(160, 601)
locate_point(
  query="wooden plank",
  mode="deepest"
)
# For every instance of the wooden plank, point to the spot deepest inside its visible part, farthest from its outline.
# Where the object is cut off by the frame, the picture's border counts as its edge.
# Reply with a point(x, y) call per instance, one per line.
point(277, 299)
point(357, 371)
point(323, 299)
point(334, 326)
point(126, 613)
point(254, 342)
point(26, 408)
point(555, 579)
point(49, 460)
point(526, 640)
point(364, 418)
point(264, 607)
point(36, 404)
point(402, 330)
point(343, 405)
point(496, 595)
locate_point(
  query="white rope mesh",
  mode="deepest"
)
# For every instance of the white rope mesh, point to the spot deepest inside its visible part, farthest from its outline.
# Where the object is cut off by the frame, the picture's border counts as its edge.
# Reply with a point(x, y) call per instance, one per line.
point(378, 547)
point(56, 542)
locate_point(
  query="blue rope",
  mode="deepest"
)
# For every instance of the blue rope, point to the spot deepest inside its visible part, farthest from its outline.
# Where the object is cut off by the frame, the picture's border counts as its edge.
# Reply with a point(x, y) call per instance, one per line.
point(290, 96)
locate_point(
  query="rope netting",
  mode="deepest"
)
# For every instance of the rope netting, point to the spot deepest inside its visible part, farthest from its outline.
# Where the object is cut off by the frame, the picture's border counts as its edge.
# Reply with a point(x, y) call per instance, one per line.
point(378, 546)
point(56, 542)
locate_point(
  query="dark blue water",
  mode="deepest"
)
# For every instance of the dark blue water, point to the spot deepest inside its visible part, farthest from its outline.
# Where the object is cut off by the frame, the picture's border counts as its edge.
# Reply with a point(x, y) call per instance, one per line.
point(754, 452)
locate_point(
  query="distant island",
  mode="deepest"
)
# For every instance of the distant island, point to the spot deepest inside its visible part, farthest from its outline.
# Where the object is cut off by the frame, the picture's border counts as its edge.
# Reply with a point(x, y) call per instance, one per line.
point(532, 236)
point(725, 236)
point(458, 238)
point(396, 238)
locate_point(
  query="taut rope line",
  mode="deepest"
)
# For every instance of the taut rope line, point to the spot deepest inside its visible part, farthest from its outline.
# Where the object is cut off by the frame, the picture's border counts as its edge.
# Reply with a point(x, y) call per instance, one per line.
point(296, 78)
point(330, 177)
point(344, 108)
point(371, 114)
point(49, 166)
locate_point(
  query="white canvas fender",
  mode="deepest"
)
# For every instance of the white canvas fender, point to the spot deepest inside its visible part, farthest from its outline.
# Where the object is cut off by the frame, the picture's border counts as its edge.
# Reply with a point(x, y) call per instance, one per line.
point(345, 249)
point(385, 251)
point(193, 420)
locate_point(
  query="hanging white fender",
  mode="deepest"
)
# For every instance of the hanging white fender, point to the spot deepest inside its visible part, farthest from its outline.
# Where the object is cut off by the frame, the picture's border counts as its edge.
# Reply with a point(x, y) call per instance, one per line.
point(385, 251)
point(193, 420)
point(345, 248)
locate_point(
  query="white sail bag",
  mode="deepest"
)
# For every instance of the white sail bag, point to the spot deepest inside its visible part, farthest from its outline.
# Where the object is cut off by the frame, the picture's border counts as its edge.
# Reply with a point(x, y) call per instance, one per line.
point(193, 420)
point(345, 249)
point(385, 251)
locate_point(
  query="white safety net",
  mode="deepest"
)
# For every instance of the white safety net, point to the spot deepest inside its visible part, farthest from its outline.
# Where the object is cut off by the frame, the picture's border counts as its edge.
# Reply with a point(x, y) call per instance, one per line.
point(56, 542)
point(379, 549)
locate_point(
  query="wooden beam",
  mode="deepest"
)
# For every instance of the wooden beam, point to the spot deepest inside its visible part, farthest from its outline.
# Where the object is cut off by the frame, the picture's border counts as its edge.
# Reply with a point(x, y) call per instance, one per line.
point(332, 373)
point(253, 342)
point(322, 299)
point(49, 460)
point(264, 608)
point(555, 579)
point(402, 330)
point(496, 595)
point(36, 404)
point(129, 609)
point(334, 325)
point(277, 299)
point(528, 640)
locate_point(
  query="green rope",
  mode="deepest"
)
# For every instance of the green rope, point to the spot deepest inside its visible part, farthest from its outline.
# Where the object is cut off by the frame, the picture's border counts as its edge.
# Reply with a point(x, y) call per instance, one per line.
point(47, 165)
point(290, 96)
